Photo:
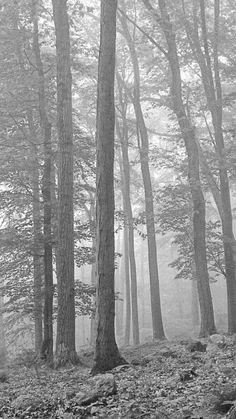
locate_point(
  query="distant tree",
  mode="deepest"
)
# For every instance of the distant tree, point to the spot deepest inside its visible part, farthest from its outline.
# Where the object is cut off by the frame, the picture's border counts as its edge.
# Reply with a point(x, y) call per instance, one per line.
point(123, 136)
point(107, 355)
point(143, 145)
point(65, 341)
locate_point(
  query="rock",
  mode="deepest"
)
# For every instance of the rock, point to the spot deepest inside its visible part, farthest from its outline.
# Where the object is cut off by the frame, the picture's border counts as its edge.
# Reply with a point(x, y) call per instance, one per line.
point(105, 384)
point(218, 340)
point(102, 385)
point(197, 346)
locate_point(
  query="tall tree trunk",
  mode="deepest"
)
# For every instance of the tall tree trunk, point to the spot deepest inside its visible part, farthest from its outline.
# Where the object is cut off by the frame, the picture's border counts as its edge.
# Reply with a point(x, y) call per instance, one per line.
point(125, 175)
point(38, 239)
point(65, 342)
point(212, 86)
point(157, 323)
point(107, 354)
point(47, 346)
point(129, 259)
point(188, 133)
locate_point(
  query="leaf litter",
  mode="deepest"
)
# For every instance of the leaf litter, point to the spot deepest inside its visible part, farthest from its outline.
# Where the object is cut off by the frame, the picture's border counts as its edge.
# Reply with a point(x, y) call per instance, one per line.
point(162, 380)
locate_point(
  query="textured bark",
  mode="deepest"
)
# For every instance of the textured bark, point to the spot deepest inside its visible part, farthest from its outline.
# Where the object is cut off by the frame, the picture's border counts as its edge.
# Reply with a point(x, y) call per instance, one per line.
point(107, 354)
point(38, 240)
point(157, 323)
point(125, 168)
point(127, 287)
point(212, 86)
point(188, 133)
point(47, 345)
point(65, 341)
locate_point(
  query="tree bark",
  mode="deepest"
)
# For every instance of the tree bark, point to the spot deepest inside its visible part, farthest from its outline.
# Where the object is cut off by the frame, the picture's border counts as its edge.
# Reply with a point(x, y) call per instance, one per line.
point(65, 341)
point(125, 169)
point(188, 133)
point(38, 239)
point(157, 323)
point(107, 355)
point(47, 345)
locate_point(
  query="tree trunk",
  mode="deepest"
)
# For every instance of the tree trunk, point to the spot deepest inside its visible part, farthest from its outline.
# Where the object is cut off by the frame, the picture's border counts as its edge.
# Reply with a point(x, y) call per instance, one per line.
point(38, 240)
point(65, 342)
point(212, 86)
point(107, 355)
point(194, 304)
point(125, 175)
point(47, 346)
point(188, 133)
point(157, 323)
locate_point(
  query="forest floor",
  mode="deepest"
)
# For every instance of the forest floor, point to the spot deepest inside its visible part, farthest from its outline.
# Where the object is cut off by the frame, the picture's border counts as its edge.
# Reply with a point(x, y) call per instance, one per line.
point(162, 380)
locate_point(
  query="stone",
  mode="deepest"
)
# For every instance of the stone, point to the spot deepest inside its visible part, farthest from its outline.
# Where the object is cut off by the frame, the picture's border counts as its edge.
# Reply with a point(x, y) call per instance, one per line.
point(218, 340)
point(102, 385)
point(105, 384)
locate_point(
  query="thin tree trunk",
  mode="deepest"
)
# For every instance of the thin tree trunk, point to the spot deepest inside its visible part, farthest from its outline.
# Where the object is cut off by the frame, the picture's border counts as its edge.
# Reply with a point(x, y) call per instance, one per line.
point(188, 133)
point(107, 355)
point(125, 170)
point(157, 323)
point(65, 342)
point(38, 240)
point(47, 346)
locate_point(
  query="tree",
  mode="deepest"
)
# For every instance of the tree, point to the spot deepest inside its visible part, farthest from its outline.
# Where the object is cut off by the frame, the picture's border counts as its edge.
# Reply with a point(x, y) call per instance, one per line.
point(46, 126)
point(107, 355)
point(188, 133)
point(205, 49)
point(142, 134)
point(123, 135)
point(65, 341)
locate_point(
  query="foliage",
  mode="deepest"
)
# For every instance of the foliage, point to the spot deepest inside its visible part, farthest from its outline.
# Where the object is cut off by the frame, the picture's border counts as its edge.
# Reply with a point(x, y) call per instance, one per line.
point(175, 216)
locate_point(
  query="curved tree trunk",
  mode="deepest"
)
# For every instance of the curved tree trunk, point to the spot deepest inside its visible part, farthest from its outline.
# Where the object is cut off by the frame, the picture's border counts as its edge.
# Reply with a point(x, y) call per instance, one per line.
point(188, 133)
point(65, 342)
point(107, 355)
